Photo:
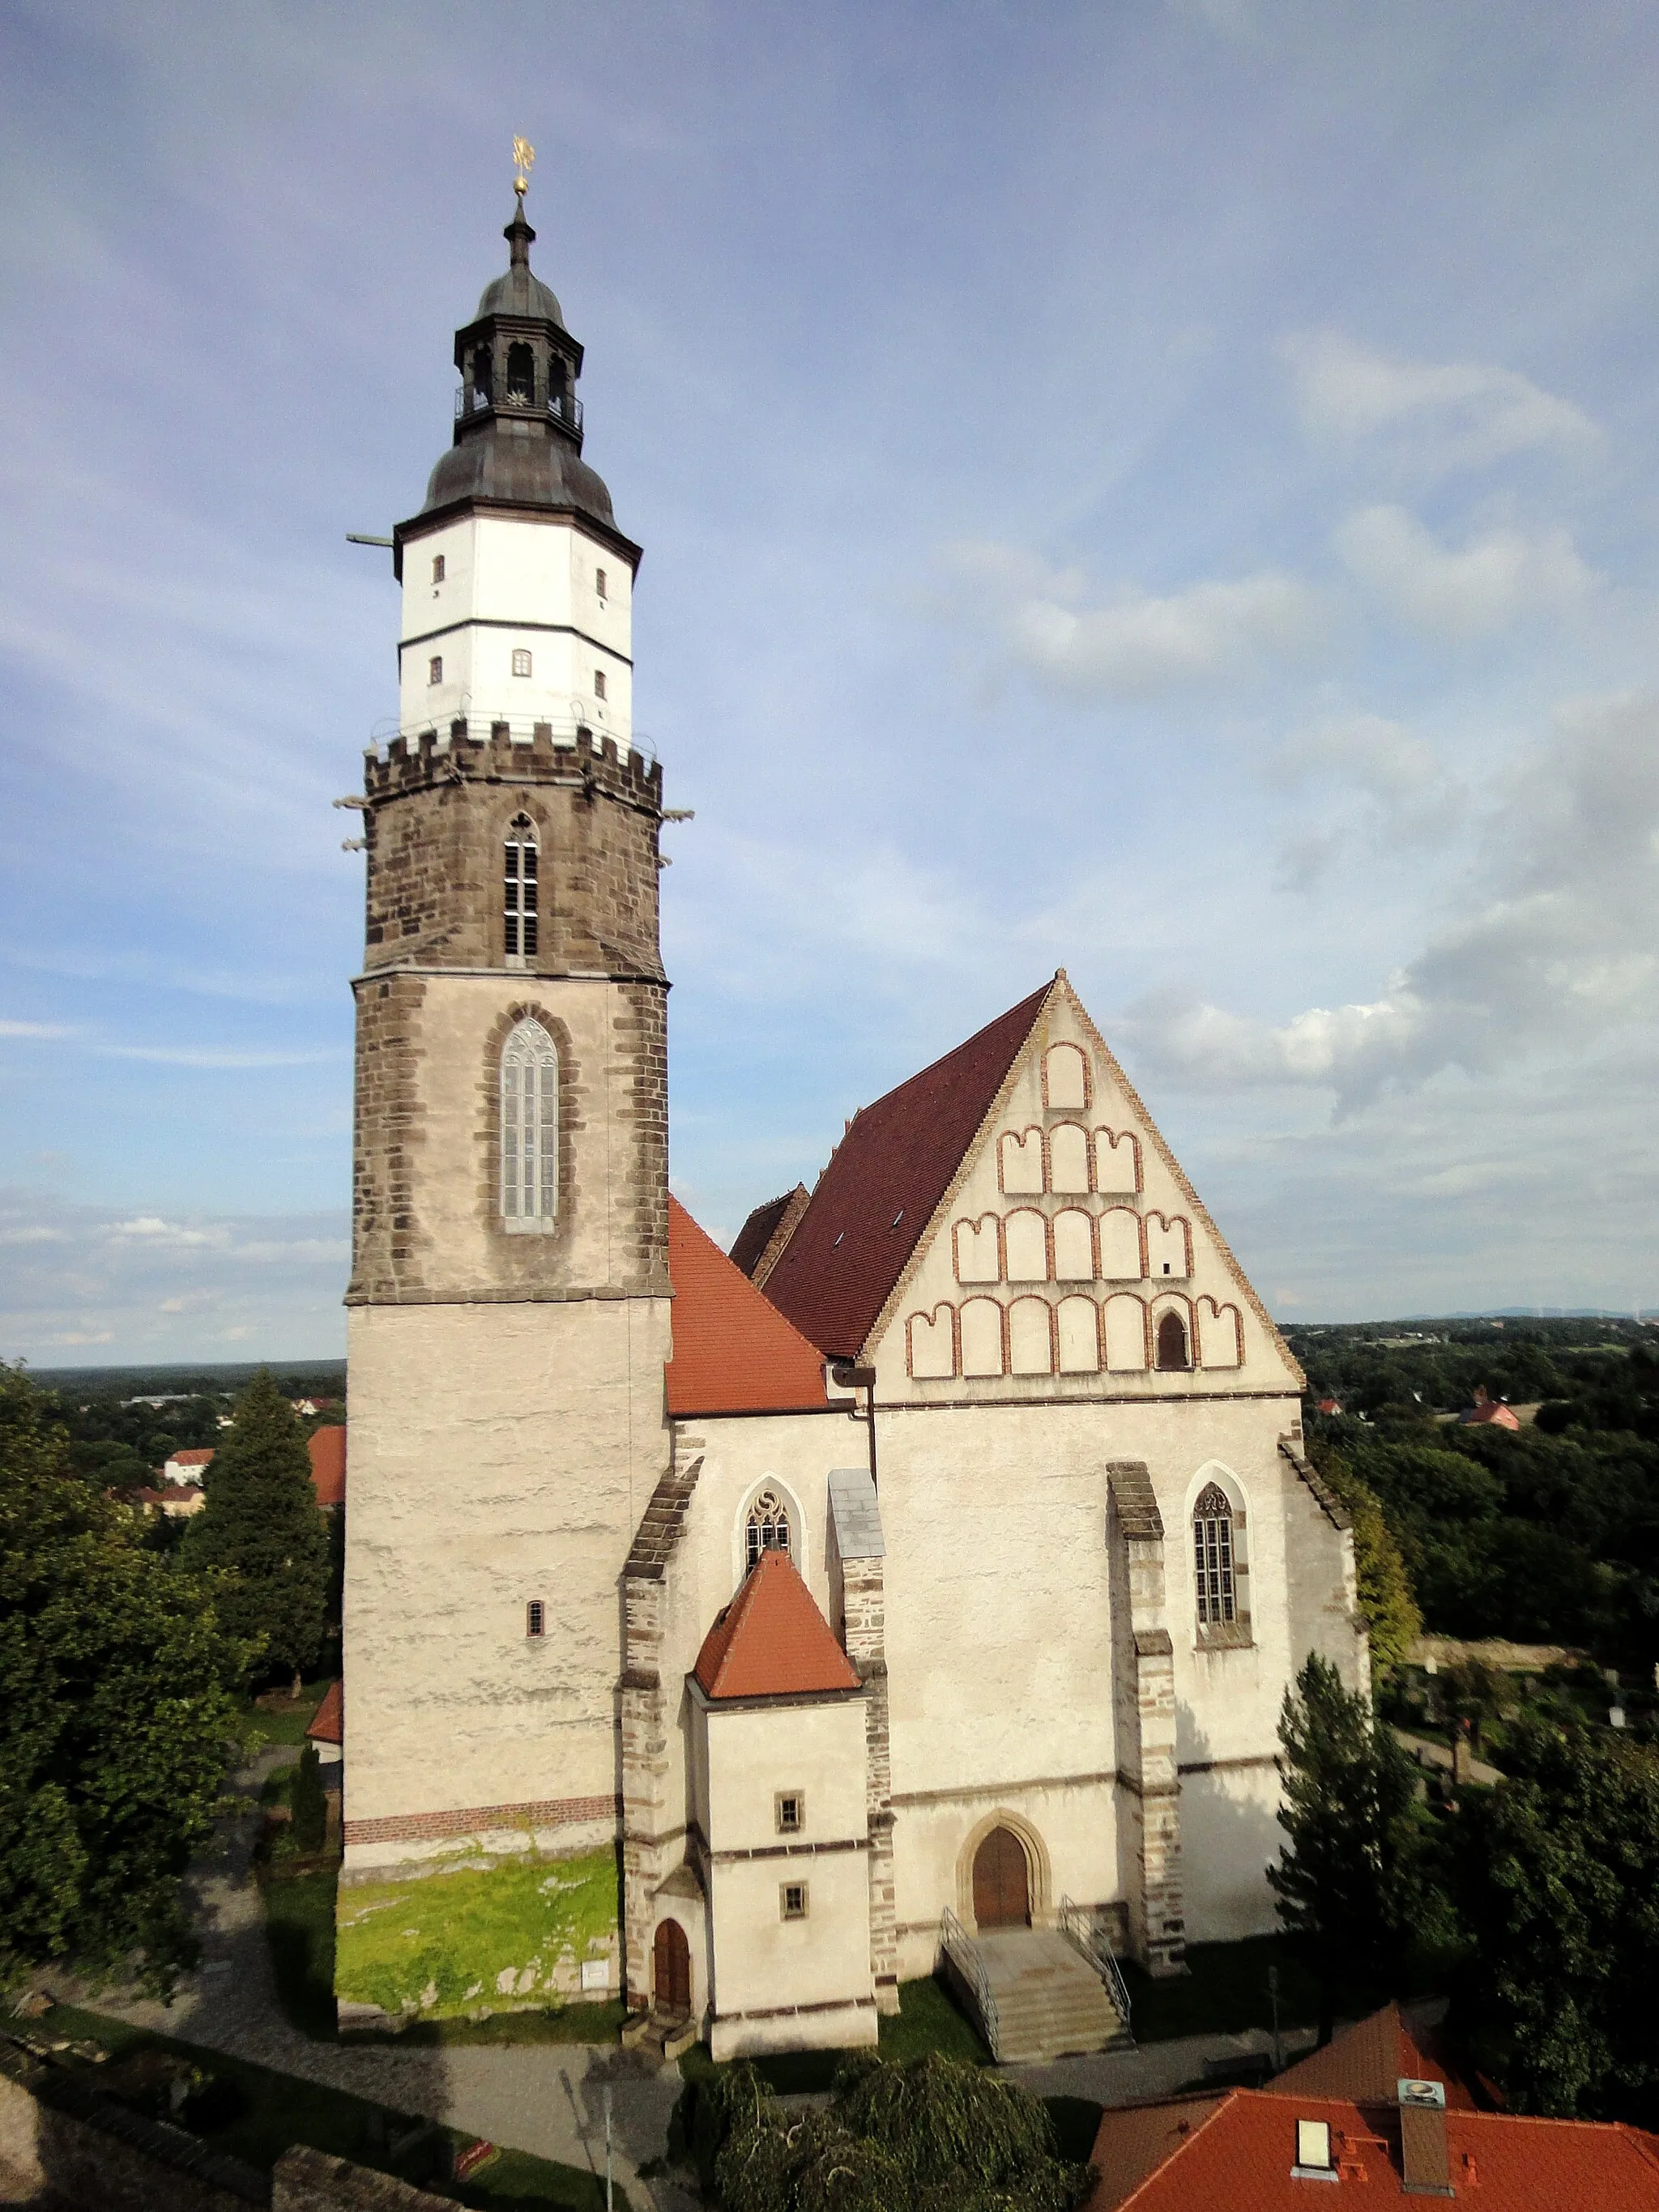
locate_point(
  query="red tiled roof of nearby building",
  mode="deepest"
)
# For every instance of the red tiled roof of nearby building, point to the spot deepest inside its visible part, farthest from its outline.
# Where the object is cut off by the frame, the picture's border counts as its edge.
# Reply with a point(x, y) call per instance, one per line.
point(733, 1352)
point(328, 1465)
point(1242, 2156)
point(194, 1456)
point(328, 1722)
point(772, 1641)
point(884, 1182)
point(1368, 2062)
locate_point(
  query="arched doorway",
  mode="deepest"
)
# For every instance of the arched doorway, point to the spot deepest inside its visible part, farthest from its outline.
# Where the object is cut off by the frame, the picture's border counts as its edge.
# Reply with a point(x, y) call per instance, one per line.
point(1002, 1881)
point(670, 1968)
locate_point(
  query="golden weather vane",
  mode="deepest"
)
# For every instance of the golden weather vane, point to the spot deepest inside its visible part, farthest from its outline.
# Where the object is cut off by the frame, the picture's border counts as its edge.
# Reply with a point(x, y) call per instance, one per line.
point(524, 161)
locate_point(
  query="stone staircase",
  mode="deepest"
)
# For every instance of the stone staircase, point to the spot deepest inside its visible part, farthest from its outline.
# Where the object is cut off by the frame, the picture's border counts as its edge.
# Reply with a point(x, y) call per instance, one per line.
point(659, 2034)
point(1050, 1999)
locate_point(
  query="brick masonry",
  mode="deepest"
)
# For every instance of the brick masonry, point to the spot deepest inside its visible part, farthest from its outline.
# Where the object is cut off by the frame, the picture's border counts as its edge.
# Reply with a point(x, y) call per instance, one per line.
point(473, 1820)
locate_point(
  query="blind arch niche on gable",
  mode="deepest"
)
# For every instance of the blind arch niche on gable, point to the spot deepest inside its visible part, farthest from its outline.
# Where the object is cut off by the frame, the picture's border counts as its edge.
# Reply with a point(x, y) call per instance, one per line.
point(530, 1129)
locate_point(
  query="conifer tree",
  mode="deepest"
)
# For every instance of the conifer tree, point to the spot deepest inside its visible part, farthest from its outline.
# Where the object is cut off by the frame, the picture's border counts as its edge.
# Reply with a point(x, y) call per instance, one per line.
point(1343, 1879)
point(261, 1528)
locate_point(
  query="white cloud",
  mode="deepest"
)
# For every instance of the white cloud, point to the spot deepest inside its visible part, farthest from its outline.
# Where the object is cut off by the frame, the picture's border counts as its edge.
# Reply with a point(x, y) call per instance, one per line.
point(34, 1030)
point(1407, 796)
point(1135, 642)
point(1455, 414)
point(1558, 953)
point(1484, 587)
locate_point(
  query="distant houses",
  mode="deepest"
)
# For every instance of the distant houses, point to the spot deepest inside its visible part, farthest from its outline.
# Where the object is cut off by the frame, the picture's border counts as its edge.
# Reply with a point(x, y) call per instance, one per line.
point(1488, 1412)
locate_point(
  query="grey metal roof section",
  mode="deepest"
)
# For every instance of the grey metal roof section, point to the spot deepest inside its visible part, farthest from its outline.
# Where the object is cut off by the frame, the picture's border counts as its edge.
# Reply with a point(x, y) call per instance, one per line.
point(1137, 1507)
point(855, 1513)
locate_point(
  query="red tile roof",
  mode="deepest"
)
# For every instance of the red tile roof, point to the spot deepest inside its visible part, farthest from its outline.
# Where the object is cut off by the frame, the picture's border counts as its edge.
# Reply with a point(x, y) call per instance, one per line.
point(328, 1465)
point(1368, 2061)
point(884, 1180)
point(1242, 2156)
point(760, 1241)
point(772, 1641)
point(733, 1352)
point(328, 1722)
point(194, 1456)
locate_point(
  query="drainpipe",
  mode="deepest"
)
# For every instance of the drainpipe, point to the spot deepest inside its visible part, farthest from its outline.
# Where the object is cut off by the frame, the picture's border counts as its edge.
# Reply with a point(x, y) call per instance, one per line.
point(845, 1376)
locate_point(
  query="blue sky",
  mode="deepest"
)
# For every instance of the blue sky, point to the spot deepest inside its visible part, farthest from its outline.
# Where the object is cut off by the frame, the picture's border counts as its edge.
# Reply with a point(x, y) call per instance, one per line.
point(1170, 489)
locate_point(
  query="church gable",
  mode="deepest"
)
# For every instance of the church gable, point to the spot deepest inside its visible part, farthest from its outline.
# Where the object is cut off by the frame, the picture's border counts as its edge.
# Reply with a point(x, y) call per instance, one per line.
point(1069, 1246)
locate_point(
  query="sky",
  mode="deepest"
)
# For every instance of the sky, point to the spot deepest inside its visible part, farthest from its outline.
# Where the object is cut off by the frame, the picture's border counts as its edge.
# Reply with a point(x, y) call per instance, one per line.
point(1168, 489)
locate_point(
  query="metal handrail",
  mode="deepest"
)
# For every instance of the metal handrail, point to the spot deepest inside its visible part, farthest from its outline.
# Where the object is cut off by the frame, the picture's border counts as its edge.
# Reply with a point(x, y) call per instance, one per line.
point(960, 1949)
point(1078, 1922)
point(565, 409)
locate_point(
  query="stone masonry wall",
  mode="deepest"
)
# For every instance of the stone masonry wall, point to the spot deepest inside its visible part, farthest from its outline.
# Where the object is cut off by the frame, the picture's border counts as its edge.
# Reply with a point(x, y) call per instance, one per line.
point(864, 1634)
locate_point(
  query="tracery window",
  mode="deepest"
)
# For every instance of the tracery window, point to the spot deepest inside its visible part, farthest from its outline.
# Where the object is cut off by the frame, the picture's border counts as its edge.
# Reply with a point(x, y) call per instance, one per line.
point(766, 1528)
point(529, 1127)
point(518, 889)
point(1212, 1557)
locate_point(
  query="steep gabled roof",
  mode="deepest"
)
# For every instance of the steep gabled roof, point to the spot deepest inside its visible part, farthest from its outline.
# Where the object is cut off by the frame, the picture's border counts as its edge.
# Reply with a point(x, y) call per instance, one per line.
point(772, 1641)
point(328, 1722)
point(761, 1239)
point(733, 1352)
point(1368, 2061)
point(883, 1183)
point(328, 1464)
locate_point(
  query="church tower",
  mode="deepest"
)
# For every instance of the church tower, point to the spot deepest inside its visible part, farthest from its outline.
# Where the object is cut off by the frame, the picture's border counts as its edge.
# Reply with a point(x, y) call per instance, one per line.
point(509, 1306)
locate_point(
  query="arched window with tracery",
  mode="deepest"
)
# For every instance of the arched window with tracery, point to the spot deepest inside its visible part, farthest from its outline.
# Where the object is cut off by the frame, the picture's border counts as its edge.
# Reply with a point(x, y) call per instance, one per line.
point(529, 1127)
point(1212, 1557)
point(766, 1528)
point(520, 890)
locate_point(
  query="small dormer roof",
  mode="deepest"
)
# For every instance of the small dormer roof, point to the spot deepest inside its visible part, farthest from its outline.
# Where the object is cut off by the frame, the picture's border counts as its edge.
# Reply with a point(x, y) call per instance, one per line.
point(772, 1641)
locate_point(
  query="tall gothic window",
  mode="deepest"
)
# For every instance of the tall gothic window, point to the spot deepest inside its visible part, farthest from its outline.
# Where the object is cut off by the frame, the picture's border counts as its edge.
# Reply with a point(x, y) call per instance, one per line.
point(1172, 1341)
point(529, 1127)
point(518, 889)
point(1212, 1556)
point(768, 1526)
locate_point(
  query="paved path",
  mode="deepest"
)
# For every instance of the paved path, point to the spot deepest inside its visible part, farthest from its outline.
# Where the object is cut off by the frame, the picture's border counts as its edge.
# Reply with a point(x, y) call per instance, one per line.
point(545, 2098)
point(1427, 1753)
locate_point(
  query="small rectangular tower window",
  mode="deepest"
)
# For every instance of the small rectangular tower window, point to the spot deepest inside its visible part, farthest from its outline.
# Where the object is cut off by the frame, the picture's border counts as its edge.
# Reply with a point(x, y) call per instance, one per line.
point(598, 581)
point(535, 1618)
point(434, 669)
point(791, 1901)
point(437, 568)
point(599, 684)
point(791, 1808)
point(520, 660)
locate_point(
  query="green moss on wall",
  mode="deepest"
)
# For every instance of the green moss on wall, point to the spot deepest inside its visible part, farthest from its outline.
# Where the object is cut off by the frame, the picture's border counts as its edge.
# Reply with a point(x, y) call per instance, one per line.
point(472, 1940)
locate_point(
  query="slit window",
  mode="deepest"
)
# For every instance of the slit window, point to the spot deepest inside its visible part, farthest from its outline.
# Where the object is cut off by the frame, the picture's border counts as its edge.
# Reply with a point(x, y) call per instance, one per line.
point(598, 582)
point(1212, 1559)
point(434, 669)
point(535, 1618)
point(529, 1127)
point(520, 914)
point(599, 684)
point(437, 568)
point(522, 662)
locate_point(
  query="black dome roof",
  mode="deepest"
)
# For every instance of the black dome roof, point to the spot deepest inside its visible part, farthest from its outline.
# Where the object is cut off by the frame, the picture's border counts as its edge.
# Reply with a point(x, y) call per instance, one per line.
point(521, 465)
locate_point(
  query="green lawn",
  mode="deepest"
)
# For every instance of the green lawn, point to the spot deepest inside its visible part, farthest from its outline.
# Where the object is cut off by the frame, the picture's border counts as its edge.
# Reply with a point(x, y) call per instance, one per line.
point(261, 2113)
point(284, 1721)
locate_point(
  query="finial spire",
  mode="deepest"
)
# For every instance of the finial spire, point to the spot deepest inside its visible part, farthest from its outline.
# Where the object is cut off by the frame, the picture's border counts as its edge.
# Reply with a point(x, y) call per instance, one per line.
point(518, 234)
point(524, 161)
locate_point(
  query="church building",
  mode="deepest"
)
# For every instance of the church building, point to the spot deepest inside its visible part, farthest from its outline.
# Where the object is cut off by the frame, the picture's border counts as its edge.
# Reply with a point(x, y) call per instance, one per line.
point(915, 1588)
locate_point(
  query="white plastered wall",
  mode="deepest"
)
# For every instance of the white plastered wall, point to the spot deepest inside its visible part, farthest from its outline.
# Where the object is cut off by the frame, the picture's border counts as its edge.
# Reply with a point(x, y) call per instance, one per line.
point(499, 1454)
point(510, 583)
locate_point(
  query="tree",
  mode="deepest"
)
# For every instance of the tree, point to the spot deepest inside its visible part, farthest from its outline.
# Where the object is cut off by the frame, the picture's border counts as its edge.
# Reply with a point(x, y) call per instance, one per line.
point(260, 1528)
point(1384, 1588)
point(1558, 1885)
point(1345, 1880)
point(119, 1721)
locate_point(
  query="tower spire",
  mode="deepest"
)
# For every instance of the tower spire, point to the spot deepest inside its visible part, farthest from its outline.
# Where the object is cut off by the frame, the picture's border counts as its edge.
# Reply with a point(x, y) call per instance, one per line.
point(519, 234)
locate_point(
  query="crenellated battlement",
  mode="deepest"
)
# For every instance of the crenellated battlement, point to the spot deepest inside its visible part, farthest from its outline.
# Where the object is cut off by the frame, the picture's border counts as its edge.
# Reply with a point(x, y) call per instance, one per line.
point(469, 751)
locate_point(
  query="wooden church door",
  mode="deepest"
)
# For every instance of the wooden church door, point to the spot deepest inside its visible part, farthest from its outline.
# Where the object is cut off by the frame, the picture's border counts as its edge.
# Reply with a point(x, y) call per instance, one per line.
point(1002, 1890)
point(671, 1968)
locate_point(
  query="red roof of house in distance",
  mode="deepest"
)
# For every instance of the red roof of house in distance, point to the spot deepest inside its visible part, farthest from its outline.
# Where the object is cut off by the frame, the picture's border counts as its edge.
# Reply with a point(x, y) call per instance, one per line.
point(734, 1351)
point(328, 1722)
point(196, 1456)
point(1240, 2153)
point(772, 1641)
point(328, 1465)
point(884, 1180)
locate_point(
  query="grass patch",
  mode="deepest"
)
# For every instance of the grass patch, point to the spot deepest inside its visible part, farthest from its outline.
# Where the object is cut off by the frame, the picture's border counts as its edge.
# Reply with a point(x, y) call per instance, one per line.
point(268, 2111)
point(474, 1939)
point(926, 2020)
point(283, 1719)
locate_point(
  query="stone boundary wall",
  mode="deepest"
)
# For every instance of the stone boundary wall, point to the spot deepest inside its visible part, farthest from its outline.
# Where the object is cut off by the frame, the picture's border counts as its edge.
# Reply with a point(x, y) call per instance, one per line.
point(1493, 1652)
point(60, 2138)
